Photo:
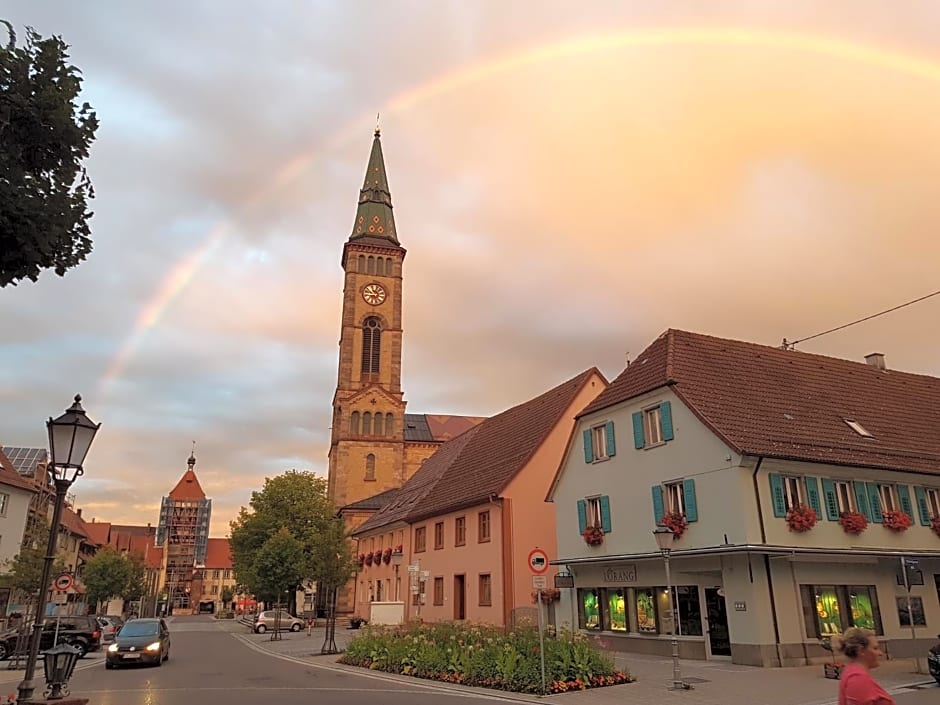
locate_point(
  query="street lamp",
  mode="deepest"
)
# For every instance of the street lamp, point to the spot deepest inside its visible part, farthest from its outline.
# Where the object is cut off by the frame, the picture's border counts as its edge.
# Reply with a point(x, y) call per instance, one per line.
point(70, 437)
point(396, 561)
point(664, 538)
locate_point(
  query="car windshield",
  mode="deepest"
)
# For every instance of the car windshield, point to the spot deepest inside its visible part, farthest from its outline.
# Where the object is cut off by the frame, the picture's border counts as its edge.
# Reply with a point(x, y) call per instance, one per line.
point(138, 628)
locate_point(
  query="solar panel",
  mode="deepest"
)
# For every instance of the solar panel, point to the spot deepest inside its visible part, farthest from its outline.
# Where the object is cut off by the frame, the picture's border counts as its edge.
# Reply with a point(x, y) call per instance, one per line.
point(25, 460)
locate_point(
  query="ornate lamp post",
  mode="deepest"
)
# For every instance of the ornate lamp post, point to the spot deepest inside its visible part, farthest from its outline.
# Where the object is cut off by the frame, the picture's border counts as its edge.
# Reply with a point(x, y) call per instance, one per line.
point(664, 537)
point(70, 437)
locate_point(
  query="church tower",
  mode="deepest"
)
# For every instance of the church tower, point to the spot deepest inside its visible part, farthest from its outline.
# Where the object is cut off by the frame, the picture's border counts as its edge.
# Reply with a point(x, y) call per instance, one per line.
point(367, 443)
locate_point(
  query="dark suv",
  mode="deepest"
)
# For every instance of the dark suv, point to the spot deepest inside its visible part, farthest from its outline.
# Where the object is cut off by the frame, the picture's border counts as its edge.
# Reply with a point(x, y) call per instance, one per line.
point(81, 631)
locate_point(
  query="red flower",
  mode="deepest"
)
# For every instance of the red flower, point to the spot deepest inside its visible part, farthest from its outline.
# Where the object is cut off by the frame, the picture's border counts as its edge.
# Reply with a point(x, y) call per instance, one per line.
point(362, 559)
point(853, 522)
point(593, 536)
point(369, 558)
point(801, 518)
point(935, 525)
point(677, 522)
point(398, 549)
point(896, 520)
point(387, 556)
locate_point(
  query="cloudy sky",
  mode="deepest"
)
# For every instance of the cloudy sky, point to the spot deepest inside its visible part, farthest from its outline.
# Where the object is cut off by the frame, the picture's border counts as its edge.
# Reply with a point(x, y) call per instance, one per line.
point(569, 179)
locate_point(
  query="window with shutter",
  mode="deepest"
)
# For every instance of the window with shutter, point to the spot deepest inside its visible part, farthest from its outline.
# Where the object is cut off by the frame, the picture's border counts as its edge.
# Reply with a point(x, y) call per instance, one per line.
point(932, 498)
point(599, 442)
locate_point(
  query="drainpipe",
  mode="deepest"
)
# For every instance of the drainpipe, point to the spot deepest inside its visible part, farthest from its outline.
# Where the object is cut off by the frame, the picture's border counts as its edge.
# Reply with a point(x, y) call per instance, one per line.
point(770, 582)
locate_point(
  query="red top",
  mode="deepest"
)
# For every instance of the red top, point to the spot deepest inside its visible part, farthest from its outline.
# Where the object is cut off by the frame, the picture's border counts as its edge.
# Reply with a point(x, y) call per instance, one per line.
point(857, 687)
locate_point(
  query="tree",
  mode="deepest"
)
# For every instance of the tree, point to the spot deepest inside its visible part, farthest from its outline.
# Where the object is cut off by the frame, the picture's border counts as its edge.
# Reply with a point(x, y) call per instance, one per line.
point(106, 575)
point(135, 586)
point(333, 566)
point(44, 137)
point(25, 569)
point(227, 595)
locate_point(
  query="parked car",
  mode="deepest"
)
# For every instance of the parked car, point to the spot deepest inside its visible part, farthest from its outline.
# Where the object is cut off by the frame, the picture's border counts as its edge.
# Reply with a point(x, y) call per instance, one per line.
point(109, 628)
point(268, 620)
point(80, 631)
point(140, 641)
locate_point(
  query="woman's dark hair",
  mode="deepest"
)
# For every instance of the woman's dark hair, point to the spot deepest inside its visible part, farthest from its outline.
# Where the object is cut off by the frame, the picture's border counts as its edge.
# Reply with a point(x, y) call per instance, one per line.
point(854, 641)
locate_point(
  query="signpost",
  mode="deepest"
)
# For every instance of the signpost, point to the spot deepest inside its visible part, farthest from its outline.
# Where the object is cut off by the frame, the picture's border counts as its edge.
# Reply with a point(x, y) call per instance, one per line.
point(538, 564)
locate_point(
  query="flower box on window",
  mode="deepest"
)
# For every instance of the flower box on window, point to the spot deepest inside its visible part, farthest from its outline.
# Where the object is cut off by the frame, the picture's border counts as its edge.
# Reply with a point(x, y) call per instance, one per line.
point(362, 559)
point(801, 518)
point(593, 536)
point(387, 556)
point(677, 522)
point(853, 522)
point(896, 520)
point(398, 549)
point(369, 558)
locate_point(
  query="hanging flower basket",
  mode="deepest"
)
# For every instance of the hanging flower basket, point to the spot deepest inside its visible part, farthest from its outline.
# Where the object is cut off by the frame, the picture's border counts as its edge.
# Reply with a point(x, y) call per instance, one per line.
point(853, 522)
point(369, 557)
point(677, 522)
point(593, 536)
point(387, 556)
point(362, 559)
point(801, 518)
point(549, 595)
point(398, 549)
point(896, 520)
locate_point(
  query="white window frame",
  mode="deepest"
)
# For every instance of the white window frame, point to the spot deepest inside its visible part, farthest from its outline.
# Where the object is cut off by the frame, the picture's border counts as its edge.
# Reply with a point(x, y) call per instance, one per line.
point(653, 426)
point(845, 503)
point(933, 501)
point(888, 497)
point(599, 442)
point(594, 511)
point(4, 503)
point(674, 497)
point(793, 491)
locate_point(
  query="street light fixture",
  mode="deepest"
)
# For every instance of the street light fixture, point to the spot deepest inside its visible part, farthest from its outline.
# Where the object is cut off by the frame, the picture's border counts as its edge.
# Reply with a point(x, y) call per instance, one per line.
point(70, 437)
point(396, 562)
point(664, 537)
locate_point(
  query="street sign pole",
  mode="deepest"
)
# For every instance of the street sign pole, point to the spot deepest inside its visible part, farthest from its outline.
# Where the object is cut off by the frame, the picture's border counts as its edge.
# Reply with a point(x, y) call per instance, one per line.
point(910, 613)
point(541, 638)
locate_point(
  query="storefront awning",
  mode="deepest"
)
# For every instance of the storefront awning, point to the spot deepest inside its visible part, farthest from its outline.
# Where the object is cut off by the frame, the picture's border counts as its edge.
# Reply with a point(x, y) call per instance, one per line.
point(766, 549)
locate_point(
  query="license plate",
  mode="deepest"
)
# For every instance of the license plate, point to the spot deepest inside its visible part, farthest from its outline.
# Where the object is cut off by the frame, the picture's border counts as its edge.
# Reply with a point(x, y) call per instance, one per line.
point(131, 655)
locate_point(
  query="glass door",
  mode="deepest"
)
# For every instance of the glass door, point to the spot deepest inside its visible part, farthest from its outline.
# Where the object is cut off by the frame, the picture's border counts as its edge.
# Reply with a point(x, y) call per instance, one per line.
point(719, 639)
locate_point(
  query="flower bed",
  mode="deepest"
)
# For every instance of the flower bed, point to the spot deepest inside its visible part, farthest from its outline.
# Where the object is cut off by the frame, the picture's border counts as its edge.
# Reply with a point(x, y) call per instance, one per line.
point(896, 520)
point(484, 656)
point(801, 518)
point(853, 522)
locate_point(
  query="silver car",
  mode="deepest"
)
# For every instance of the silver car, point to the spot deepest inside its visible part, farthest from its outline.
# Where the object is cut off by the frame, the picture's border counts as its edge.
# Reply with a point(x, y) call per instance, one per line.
point(285, 622)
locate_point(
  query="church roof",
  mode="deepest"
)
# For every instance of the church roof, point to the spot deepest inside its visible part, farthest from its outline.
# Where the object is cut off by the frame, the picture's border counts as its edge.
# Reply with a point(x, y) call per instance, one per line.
point(376, 501)
point(374, 219)
point(437, 428)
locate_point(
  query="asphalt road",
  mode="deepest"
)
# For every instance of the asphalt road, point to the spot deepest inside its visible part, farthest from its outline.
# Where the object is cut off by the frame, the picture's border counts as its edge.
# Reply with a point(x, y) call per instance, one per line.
point(209, 665)
point(921, 696)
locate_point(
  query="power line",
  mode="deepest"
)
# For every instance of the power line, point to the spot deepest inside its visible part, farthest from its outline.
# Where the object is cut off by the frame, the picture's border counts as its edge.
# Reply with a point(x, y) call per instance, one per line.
point(789, 345)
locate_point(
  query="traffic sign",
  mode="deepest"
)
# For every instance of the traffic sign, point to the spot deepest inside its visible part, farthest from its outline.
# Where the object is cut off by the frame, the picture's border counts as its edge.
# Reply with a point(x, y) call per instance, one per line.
point(60, 598)
point(538, 561)
point(63, 582)
point(539, 582)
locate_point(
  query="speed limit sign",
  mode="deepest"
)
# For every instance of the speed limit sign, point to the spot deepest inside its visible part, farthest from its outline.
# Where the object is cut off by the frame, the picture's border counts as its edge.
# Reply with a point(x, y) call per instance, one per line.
point(63, 582)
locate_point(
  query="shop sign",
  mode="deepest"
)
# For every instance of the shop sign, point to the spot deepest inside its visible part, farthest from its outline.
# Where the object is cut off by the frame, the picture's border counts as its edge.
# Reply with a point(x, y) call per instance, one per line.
point(620, 574)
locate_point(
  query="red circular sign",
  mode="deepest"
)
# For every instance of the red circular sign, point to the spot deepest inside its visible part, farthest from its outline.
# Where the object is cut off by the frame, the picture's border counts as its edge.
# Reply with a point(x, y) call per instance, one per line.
point(63, 582)
point(538, 561)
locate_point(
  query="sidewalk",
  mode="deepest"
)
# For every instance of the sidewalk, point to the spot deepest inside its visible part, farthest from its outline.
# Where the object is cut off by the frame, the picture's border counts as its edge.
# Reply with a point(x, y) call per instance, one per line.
point(14, 677)
point(713, 682)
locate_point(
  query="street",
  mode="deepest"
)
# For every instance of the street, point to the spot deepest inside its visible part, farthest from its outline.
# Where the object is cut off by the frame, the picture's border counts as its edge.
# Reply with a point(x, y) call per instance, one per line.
point(208, 663)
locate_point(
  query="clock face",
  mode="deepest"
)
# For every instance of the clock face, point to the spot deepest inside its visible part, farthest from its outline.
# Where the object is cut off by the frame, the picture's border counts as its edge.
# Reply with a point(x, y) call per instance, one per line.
point(374, 294)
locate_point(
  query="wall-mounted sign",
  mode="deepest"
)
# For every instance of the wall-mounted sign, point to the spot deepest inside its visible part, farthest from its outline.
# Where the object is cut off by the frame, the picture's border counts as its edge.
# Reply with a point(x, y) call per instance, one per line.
point(740, 607)
point(564, 581)
point(620, 574)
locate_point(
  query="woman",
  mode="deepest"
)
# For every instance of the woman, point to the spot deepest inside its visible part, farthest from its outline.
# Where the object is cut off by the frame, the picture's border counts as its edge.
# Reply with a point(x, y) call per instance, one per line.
point(856, 685)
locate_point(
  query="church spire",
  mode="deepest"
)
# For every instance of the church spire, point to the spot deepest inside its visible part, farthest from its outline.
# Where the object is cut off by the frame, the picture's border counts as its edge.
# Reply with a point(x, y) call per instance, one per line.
point(374, 217)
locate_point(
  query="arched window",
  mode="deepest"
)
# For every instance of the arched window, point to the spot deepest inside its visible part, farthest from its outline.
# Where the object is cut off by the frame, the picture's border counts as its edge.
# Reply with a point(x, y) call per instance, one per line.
point(370, 468)
point(354, 423)
point(371, 267)
point(377, 425)
point(388, 266)
point(367, 424)
point(380, 265)
point(389, 425)
point(371, 345)
point(362, 264)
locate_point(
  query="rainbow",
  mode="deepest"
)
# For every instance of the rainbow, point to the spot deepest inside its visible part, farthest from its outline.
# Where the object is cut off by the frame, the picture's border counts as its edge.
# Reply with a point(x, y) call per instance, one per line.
point(177, 280)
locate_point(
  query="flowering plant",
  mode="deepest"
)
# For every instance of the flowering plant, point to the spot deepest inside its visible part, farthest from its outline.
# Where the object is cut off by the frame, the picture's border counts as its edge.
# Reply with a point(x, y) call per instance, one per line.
point(398, 549)
point(549, 595)
point(677, 522)
point(853, 522)
point(369, 558)
point(593, 536)
point(362, 559)
point(935, 525)
point(801, 518)
point(896, 520)
point(387, 556)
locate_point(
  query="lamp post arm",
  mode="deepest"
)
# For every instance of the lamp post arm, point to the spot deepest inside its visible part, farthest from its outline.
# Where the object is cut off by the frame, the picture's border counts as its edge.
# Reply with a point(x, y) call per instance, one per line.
point(27, 687)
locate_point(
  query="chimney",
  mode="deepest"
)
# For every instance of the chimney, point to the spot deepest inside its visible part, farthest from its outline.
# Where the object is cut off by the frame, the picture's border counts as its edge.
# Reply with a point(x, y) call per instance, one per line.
point(79, 512)
point(876, 360)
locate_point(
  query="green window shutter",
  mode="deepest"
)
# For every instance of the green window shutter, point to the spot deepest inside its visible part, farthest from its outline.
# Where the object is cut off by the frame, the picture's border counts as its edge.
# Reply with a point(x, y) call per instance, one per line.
point(832, 503)
point(659, 506)
point(688, 499)
point(611, 443)
point(812, 496)
point(588, 447)
point(638, 430)
point(582, 515)
point(665, 415)
point(605, 514)
point(922, 509)
point(861, 499)
point(778, 496)
point(874, 501)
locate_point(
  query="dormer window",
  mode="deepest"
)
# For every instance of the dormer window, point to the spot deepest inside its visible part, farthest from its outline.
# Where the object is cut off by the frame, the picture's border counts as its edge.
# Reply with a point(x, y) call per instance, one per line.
point(858, 428)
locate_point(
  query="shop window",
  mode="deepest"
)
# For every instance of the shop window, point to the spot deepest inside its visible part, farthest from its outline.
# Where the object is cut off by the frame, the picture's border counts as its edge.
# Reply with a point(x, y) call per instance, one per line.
point(690, 613)
point(828, 610)
point(646, 611)
point(590, 609)
point(917, 609)
point(460, 531)
point(617, 609)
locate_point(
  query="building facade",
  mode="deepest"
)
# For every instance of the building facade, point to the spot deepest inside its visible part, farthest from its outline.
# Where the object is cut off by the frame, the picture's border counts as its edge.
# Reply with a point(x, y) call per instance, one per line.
point(798, 487)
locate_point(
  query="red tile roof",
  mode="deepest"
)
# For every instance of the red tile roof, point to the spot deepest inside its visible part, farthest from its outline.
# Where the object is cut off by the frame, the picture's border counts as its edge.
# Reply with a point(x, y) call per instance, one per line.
point(98, 531)
point(765, 401)
point(74, 523)
point(188, 488)
point(218, 553)
point(10, 477)
point(154, 557)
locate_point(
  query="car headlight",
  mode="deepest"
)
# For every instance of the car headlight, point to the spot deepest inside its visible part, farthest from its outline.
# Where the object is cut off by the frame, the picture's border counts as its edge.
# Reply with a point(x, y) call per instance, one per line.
point(112, 648)
point(155, 646)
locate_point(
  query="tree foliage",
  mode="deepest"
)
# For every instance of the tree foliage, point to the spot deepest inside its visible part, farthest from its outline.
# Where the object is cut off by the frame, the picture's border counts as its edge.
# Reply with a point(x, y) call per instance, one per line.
point(44, 137)
point(106, 575)
point(135, 586)
point(295, 502)
point(279, 566)
point(25, 569)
